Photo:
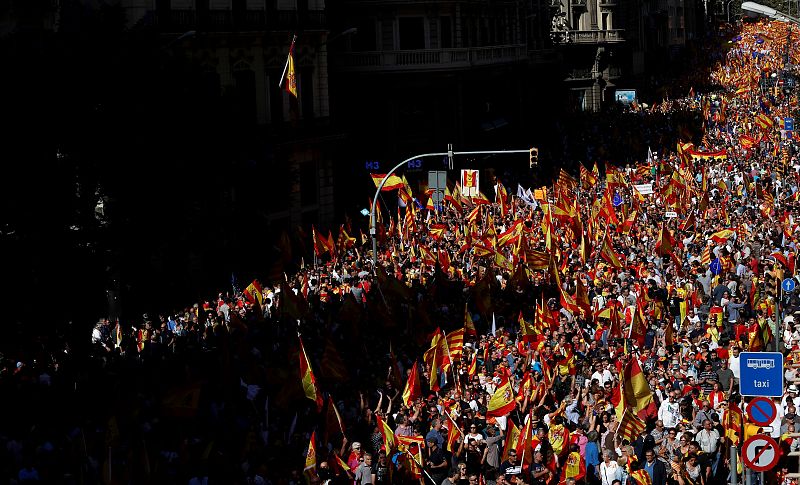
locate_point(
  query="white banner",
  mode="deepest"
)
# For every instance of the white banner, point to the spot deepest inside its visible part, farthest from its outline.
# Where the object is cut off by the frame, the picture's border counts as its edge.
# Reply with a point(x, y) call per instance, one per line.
point(670, 214)
point(470, 181)
point(644, 189)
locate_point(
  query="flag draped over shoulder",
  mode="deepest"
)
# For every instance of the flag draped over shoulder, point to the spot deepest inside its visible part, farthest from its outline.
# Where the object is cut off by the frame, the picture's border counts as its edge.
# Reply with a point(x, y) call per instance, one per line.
point(307, 376)
point(574, 467)
point(641, 477)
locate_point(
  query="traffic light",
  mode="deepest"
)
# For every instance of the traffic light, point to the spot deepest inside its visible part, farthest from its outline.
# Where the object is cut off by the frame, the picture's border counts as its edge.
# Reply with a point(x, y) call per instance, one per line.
point(534, 152)
point(771, 284)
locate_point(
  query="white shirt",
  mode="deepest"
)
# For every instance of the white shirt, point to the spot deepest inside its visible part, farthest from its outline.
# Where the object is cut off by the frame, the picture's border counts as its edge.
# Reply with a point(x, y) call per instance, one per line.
point(669, 413)
point(608, 472)
point(602, 376)
point(469, 436)
point(733, 365)
point(709, 440)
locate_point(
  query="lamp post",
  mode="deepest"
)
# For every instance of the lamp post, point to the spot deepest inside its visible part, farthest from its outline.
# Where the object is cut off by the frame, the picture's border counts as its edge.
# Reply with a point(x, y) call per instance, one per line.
point(449, 154)
point(758, 9)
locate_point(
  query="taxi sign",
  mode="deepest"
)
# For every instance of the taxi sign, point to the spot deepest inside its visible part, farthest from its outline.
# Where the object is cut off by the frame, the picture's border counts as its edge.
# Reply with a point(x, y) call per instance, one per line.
point(761, 374)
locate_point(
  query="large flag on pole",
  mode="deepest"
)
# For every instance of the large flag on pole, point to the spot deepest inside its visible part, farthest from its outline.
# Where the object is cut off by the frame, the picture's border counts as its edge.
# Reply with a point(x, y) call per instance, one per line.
point(307, 376)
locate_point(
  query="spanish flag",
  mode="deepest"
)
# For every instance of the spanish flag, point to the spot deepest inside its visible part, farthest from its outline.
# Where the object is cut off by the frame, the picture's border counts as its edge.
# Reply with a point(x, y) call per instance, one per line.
point(721, 237)
point(574, 467)
point(307, 376)
point(289, 74)
point(389, 441)
point(412, 390)
point(393, 182)
point(502, 402)
point(253, 292)
point(637, 391)
point(310, 470)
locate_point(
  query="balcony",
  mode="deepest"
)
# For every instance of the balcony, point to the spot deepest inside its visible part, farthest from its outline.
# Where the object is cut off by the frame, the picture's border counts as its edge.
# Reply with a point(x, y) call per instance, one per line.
point(591, 36)
point(608, 3)
point(428, 60)
point(177, 21)
point(586, 74)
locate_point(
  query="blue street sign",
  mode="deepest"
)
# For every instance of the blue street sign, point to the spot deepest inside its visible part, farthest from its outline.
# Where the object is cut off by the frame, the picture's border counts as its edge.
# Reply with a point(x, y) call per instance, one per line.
point(715, 266)
point(788, 285)
point(762, 411)
point(617, 200)
point(761, 374)
point(788, 124)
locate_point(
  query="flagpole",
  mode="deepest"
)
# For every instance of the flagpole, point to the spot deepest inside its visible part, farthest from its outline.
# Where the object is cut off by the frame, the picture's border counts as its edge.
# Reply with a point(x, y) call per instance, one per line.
point(286, 66)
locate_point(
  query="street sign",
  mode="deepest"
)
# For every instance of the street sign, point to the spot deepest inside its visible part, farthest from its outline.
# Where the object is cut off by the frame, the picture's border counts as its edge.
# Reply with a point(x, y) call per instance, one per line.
point(760, 453)
point(437, 183)
point(761, 374)
point(470, 183)
point(715, 266)
point(788, 285)
point(788, 124)
point(762, 411)
point(617, 200)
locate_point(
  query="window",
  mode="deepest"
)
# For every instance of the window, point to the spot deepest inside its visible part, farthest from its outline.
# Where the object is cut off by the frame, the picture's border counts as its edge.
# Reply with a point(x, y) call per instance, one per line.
point(446, 32)
point(412, 33)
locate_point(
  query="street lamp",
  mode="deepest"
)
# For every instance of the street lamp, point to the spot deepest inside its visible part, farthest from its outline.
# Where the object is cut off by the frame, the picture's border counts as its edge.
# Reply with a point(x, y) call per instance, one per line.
point(449, 154)
point(769, 12)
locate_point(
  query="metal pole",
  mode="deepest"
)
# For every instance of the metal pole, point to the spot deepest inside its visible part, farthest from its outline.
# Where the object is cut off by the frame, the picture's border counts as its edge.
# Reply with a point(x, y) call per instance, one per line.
point(449, 154)
point(732, 461)
point(748, 477)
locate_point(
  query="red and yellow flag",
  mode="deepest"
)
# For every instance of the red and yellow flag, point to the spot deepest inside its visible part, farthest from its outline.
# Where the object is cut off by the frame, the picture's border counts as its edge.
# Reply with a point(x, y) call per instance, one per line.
point(637, 392)
point(307, 376)
point(502, 402)
point(412, 390)
point(310, 470)
point(290, 81)
point(392, 183)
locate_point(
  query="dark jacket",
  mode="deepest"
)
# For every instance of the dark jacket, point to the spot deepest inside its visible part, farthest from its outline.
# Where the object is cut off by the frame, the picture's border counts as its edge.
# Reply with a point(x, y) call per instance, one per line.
point(659, 471)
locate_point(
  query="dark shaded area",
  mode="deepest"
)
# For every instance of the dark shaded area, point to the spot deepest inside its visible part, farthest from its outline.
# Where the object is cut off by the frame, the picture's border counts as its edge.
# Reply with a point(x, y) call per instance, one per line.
point(97, 114)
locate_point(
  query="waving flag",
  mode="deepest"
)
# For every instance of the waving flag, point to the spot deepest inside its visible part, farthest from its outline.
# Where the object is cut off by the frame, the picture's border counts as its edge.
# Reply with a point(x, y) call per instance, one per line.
point(307, 376)
point(412, 390)
point(502, 402)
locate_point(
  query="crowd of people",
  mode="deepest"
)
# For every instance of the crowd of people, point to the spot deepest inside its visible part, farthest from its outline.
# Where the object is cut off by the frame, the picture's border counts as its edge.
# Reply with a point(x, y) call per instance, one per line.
point(588, 332)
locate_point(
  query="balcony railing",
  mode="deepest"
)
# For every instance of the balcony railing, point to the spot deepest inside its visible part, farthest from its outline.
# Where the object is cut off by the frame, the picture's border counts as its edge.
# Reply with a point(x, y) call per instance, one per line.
point(234, 21)
point(591, 36)
point(428, 59)
point(586, 74)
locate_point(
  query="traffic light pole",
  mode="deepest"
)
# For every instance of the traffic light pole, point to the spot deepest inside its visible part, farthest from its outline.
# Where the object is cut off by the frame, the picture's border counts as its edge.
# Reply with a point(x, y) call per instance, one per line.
point(449, 154)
